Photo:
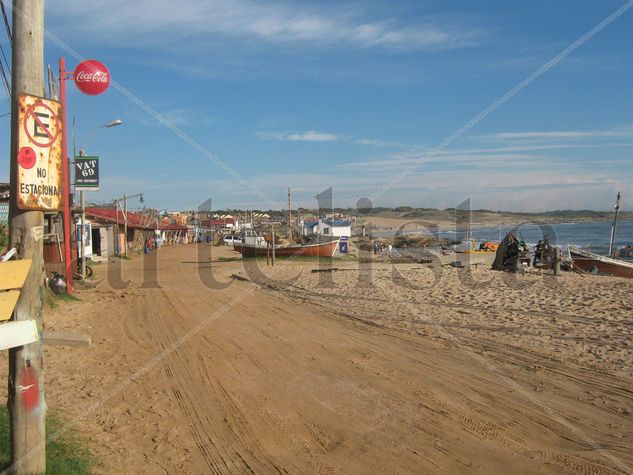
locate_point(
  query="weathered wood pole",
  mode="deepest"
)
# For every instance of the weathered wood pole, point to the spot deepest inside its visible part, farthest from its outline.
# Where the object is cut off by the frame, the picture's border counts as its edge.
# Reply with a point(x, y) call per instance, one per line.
point(556, 260)
point(27, 407)
point(289, 217)
point(273, 246)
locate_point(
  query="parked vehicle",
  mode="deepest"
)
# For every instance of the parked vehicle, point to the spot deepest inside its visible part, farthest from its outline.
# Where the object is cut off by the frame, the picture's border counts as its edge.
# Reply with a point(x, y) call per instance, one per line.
point(231, 240)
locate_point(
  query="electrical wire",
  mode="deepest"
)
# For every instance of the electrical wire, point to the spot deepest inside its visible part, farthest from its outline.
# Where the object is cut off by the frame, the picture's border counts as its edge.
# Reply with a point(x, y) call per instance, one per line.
point(7, 84)
point(5, 80)
point(5, 59)
point(6, 23)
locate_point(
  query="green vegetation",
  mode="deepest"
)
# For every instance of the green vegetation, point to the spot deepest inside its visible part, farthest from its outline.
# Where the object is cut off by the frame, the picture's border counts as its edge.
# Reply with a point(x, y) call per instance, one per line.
point(4, 237)
point(65, 454)
point(52, 300)
point(432, 214)
point(67, 297)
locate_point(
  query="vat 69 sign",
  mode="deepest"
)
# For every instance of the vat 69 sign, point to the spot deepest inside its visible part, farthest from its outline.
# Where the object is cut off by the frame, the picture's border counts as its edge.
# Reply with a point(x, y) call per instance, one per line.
point(87, 173)
point(40, 173)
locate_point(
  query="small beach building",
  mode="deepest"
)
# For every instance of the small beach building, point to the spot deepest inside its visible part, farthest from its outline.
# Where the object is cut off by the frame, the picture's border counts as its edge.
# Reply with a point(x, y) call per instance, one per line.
point(309, 227)
point(327, 227)
point(334, 228)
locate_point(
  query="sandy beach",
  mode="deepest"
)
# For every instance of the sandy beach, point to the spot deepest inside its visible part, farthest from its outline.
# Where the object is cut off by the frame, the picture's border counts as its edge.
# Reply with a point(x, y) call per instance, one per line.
point(376, 367)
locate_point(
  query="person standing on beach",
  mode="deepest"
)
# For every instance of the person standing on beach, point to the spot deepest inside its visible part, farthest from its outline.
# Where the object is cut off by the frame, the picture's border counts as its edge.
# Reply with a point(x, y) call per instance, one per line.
point(537, 253)
point(389, 249)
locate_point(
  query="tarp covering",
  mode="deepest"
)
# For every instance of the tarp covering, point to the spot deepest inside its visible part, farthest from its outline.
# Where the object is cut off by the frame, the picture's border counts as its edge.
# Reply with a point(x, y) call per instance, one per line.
point(510, 253)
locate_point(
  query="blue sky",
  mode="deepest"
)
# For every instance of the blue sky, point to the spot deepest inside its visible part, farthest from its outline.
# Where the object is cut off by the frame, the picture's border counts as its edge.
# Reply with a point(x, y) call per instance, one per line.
point(240, 100)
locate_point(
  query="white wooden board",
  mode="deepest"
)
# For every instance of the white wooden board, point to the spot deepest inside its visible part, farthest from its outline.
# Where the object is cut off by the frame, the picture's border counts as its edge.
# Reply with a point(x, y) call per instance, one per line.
point(20, 333)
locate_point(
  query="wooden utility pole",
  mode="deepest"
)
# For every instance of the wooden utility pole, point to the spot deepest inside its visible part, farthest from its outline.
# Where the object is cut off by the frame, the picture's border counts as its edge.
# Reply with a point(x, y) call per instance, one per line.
point(27, 407)
point(289, 216)
point(272, 237)
point(613, 226)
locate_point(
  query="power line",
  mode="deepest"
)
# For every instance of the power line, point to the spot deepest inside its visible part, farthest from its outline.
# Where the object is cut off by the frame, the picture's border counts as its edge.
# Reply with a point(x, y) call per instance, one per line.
point(5, 80)
point(5, 59)
point(6, 23)
point(6, 83)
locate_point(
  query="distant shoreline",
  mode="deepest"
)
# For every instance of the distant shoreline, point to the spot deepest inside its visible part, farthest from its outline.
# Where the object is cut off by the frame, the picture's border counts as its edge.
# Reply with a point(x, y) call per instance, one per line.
point(445, 220)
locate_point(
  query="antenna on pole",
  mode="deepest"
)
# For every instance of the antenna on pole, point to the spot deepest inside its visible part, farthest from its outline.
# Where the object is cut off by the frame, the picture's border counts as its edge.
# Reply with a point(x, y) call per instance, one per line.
point(289, 216)
point(613, 226)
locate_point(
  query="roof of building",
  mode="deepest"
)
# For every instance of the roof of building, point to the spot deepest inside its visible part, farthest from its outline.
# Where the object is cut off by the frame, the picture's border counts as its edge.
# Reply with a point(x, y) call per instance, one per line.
point(206, 223)
point(134, 220)
point(4, 190)
point(337, 224)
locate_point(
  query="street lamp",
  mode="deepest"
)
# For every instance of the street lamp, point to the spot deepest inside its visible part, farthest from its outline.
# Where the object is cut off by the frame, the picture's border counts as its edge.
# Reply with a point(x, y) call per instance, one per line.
point(114, 123)
point(117, 202)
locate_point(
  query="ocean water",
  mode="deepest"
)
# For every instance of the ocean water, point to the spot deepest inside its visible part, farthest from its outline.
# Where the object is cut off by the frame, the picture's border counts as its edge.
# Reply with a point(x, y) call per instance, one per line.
point(591, 236)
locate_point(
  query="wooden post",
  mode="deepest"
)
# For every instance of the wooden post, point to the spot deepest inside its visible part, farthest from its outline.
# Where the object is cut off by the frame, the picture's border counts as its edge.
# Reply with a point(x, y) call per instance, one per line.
point(289, 217)
point(125, 225)
point(117, 232)
point(27, 407)
point(613, 226)
point(68, 256)
point(273, 246)
point(556, 260)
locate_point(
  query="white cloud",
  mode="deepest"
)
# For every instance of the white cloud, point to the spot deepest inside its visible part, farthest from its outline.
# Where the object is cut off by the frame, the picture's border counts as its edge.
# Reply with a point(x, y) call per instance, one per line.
point(314, 136)
point(177, 117)
point(619, 132)
point(279, 22)
point(491, 188)
point(380, 143)
point(308, 136)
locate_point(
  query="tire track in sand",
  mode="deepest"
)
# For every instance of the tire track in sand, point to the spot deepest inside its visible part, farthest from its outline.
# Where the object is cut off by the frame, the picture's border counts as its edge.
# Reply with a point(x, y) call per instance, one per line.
point(218, 428)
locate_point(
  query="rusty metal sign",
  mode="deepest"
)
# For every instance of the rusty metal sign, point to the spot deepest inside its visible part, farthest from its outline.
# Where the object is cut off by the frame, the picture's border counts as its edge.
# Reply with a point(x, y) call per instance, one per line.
point(40, 172)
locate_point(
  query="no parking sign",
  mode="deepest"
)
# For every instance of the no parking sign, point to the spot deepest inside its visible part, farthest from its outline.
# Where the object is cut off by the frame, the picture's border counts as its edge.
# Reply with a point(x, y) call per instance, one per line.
point(39, 154)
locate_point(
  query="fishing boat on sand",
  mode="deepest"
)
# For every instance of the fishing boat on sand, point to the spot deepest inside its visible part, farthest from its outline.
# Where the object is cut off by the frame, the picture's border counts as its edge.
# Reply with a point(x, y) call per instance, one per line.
point(601, 265)
point(319, 249)
point(626, 252)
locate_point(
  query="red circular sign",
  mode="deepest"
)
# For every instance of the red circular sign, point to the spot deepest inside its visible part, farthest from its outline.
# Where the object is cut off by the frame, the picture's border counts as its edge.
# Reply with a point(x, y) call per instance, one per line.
point(27, 157)
point(91, 77)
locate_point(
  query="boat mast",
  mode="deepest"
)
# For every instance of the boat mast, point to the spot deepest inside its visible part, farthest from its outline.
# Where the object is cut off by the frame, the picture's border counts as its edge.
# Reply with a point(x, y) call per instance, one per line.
point(615, 222)
point(289, 216)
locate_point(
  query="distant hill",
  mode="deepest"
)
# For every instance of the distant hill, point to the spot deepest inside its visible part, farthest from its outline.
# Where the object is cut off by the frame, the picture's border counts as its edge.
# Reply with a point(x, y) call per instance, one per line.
point(449, 214)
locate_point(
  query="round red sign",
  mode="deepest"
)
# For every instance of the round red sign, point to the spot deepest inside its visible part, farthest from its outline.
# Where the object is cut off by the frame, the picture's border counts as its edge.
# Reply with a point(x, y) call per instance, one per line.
point(91, 77)
point(26, 157)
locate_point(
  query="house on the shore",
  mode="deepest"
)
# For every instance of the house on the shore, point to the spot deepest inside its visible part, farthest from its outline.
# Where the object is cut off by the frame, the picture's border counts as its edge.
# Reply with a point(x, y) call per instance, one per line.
point(327, 227)
point(222, 222)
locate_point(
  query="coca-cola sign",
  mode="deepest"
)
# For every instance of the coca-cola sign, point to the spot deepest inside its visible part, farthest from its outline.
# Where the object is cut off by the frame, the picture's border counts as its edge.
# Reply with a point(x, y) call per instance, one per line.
point(91, 77)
